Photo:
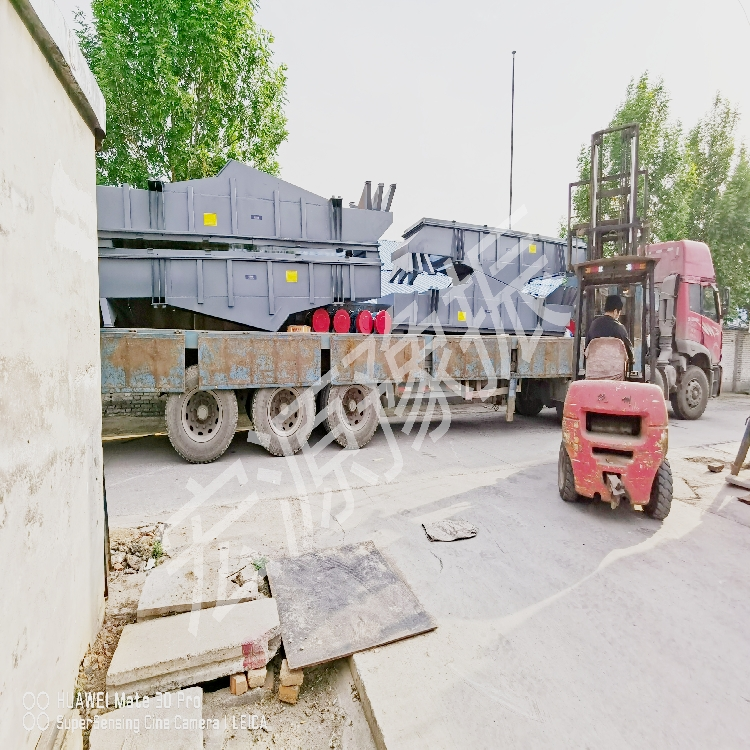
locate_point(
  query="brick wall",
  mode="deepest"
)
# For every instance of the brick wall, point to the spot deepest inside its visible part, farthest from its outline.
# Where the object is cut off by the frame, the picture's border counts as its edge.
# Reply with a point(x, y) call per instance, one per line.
point(735, 359)
point(133, 405)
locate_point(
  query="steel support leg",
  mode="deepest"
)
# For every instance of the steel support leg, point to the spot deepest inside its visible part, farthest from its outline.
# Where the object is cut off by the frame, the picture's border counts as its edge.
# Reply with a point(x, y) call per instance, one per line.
point(511, 410)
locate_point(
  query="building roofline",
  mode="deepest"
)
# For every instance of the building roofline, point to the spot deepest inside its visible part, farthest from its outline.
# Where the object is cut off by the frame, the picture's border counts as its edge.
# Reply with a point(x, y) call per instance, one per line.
point(47, 25)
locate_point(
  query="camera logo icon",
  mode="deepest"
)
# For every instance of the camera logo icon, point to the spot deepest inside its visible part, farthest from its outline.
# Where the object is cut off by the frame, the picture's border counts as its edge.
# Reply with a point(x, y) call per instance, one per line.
point(36, 711)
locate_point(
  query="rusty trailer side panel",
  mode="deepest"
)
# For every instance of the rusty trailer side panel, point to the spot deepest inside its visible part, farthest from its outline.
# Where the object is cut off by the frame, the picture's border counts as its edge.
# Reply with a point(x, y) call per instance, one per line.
point(142, 361)
point(376, 359)
point(471, 357)
point(257, 360)
point(544, 357)
point(153, 360)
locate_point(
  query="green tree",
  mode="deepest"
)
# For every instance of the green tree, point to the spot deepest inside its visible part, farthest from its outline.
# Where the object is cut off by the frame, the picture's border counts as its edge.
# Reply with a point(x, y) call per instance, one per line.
point(189, 84)
point(660, 152)
point(729, 237)
point(699, 183)
point(714, 190)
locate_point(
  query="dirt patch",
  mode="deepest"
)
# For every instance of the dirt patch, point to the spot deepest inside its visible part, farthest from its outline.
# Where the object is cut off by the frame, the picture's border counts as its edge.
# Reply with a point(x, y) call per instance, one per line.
point(708, 460)
point(120, 610)
point(320, 719)
point(316, 722)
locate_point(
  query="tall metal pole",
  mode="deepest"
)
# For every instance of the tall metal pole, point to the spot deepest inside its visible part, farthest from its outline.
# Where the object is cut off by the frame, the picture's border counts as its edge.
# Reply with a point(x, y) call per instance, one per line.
point(512, 115)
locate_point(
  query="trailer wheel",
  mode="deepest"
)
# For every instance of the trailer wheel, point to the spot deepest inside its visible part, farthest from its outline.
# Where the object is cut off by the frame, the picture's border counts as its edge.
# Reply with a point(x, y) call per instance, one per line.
point(528, 402)
point(283, 418)
point(660, 502)
point(201, 424)
point(352, 414)
point(689, 402)
point(566, 482)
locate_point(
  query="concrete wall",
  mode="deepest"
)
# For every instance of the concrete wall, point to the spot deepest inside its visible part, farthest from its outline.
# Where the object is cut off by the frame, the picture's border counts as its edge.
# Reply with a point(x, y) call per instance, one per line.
point(735, 357)
point(51, 509)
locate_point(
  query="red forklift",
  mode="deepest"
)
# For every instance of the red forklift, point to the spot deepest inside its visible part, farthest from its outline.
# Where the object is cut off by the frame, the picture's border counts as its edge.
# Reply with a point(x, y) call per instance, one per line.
point(615, 423)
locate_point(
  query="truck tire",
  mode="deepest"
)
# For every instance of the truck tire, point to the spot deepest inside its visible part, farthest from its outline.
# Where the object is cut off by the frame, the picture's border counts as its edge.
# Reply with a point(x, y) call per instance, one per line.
point(201, 424)
point(528, 403)
point(660, 502)
point(283, 418)
point(689, 402)
point(566, 482)
point(352, 414)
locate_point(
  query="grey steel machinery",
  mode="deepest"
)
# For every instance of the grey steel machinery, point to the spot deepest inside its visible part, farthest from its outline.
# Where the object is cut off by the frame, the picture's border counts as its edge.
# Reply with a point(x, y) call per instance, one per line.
point(240, 251)
point(503, 281)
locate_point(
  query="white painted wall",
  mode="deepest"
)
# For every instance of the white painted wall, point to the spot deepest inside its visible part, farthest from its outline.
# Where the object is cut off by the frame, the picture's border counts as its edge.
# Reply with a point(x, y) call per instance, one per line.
point(51, 510)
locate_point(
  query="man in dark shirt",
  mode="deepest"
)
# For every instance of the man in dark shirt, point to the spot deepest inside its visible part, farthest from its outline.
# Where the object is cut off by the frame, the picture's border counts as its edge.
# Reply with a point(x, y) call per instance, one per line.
point(608, 325)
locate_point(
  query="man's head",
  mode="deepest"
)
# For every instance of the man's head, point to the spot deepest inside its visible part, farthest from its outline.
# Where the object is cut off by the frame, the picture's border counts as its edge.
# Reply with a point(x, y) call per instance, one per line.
point(613, 306)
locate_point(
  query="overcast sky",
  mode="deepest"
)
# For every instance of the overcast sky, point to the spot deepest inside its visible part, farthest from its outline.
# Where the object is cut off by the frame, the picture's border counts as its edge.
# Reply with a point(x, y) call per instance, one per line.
point(417, 92)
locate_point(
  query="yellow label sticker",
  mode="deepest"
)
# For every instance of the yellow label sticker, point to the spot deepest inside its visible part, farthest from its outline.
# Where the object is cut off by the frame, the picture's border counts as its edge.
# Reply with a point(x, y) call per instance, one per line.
point(532, 248)
point(291, 276)
point(209, 220)
point(462, 316)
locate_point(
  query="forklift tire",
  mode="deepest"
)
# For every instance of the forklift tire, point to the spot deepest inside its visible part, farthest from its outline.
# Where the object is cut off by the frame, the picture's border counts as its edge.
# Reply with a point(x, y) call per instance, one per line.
point(352, 414)
point(281, 430)
point(527, 403)
point(566, 482)
point(201, 424)
point(661, 493)
point(692, 394)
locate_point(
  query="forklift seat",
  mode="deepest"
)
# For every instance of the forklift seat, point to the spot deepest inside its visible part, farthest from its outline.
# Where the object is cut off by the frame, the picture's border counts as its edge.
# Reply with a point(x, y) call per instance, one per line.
point(606, 359)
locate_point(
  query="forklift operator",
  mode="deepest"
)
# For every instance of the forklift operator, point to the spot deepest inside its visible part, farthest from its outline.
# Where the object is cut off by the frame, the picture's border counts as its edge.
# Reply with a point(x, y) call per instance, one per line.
point(608, 325)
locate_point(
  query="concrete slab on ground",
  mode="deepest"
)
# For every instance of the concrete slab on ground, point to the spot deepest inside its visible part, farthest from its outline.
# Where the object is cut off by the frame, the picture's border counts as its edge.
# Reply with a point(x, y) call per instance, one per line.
point(153, 725)
point(217, 581)
point(339, 600)
point(167, 653)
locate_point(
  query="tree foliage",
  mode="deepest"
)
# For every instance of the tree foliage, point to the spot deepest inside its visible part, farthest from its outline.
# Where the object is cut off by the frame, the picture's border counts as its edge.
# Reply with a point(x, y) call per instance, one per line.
point(698, 182)
point(189, 84)
point(660, 150)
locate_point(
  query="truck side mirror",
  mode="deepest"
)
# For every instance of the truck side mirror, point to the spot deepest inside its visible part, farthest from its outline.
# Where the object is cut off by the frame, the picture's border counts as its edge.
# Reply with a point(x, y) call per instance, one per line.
point(725, 301)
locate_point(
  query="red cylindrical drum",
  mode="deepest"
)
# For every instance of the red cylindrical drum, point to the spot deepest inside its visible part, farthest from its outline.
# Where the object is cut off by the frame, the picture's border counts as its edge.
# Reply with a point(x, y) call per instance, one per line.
point(341, 321)
point(364, 322)
point(383, 322)
point(321, 321)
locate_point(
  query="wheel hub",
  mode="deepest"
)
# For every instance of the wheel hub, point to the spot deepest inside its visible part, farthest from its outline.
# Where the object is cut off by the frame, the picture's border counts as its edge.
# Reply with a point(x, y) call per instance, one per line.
point(284, 412)
point(693, 394)
point(354, 407)
point(202, 415)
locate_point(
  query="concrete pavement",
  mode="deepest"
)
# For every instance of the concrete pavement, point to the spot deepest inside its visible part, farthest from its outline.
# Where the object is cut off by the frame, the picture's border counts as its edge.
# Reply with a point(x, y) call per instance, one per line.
point(559, 625)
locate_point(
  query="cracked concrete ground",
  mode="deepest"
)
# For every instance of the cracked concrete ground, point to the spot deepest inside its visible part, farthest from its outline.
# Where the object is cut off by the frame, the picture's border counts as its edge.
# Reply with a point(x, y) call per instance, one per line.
point(559, 625)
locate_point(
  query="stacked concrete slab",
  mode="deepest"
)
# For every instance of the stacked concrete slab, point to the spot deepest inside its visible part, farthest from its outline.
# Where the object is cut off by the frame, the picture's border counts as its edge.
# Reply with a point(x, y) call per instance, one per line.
point(169, 653)
point(197, 585)
point(169, 722)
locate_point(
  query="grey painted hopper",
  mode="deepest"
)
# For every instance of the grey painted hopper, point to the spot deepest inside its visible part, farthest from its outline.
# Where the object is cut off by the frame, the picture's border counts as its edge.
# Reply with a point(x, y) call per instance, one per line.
point(243, 247)
point(490, 269)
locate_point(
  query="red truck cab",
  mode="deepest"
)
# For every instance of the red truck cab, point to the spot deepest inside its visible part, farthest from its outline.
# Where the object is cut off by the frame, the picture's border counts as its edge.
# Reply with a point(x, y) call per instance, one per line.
point(688, 269)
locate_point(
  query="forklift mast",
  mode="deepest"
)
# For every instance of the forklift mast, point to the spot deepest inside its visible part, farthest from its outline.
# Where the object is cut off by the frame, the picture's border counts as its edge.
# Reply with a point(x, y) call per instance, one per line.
point(616, 194)
point(616, 231)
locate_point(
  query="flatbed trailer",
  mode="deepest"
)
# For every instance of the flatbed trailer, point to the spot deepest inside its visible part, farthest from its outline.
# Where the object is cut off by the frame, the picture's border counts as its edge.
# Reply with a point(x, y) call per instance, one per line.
point(288, 382)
